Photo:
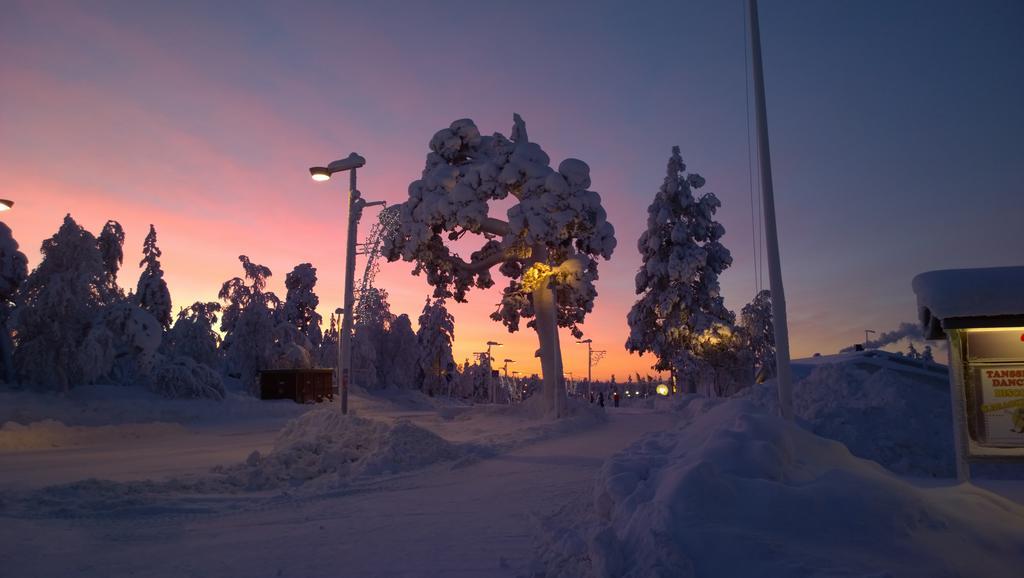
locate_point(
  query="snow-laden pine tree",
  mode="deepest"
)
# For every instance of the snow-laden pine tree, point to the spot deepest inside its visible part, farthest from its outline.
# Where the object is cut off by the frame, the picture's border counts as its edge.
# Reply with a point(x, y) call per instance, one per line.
point(327, 355)
point(547, 247)
point(435, 337)
point(57, 345)
point(111, 245)
point(678, 281)
point(193, 335)
point(402, 352)
point(926, 355)
point(13, 271)
point(133, 336)
point(369, 338)
point(151, 293)
point(249, 321)
point(756, 321)
point(301, 301)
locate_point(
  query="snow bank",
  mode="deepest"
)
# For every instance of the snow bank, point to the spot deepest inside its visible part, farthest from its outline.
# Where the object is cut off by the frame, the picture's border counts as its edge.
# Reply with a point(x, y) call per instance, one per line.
point(898, 421)
point(54, 434)
point(739, 492)
point(324, 442)
point(97, 405)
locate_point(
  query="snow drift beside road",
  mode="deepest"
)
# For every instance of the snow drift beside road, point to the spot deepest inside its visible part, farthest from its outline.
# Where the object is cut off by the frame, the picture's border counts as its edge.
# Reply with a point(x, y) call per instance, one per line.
point(739, 492)
point(900, 422)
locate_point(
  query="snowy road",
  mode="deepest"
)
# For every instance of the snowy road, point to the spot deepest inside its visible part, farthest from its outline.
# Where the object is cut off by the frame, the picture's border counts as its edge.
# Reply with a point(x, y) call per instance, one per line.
point(478, 520)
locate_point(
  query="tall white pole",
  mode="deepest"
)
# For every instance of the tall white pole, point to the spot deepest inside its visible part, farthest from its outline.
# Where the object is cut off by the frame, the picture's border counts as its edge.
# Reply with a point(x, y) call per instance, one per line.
point(355, 210)
point(783, 372)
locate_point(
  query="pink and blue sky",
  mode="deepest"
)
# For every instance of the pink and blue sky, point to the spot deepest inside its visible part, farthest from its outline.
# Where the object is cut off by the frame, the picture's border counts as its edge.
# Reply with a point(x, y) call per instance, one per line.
point(896, 130)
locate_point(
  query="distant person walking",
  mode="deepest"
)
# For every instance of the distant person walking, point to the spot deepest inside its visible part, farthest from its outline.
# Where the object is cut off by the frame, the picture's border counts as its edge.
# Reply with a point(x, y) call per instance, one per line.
point(600, 399)
point(615, 398)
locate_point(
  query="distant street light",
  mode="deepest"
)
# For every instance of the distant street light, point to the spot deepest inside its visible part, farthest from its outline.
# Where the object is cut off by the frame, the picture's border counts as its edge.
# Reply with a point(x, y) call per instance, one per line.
point(6, 205)
point(866, 331)
point(355, 211)
point(492, 390)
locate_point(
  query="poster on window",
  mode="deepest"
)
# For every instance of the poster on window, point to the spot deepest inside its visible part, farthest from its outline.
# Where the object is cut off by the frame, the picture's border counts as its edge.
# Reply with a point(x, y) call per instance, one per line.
point(1002, 404)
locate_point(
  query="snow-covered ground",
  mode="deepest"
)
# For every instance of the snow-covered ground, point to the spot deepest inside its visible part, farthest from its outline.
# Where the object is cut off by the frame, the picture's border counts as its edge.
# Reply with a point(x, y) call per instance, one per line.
point(469, 504)
point(112, 481)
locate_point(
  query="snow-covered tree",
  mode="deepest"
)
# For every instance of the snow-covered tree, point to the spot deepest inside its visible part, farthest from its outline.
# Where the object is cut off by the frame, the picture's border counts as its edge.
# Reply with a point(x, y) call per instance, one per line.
point(547, 247)
point(111, 245)
point(301, 301)
point(249, 321)
point(369, 337)
point(152, 293)
point(132, 336)
point(180, 377)
point(912, 352)
point(402, 353)
point(725, 360)
point(926, 355)
point(57, 304)
point(678, 280)
point(756, 321)
point(328, 351)
point(13, 271)
point(435, 337)
point(193, 335)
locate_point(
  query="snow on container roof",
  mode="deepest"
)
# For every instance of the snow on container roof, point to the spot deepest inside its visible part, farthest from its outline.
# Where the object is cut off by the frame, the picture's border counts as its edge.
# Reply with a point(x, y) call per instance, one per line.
point(959, 298)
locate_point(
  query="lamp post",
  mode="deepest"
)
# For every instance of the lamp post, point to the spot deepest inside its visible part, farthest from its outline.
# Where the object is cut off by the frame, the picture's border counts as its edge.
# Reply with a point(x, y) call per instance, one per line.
point(490, 381)
point(590, 360)
point(6, 205)
point(866, 332)
point(355, 210)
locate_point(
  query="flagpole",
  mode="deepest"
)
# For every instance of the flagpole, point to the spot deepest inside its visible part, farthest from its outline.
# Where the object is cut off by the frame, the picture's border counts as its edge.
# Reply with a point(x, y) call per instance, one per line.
point(783, 373)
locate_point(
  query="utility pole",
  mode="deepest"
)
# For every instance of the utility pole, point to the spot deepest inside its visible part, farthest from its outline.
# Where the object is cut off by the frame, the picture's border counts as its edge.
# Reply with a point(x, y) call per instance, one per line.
point(866, 339)
point(491, 389)
point(783, 371)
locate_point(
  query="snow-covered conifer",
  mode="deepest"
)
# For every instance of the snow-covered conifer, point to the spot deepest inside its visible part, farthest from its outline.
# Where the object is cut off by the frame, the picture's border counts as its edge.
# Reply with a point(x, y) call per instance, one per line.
point(402, 352)
point(926, 355)
point(152, 293)
point(193, 335)
point(132, 336)
point(369, 339)
point(547, 247)
point(249, 321)
point(678, 281)
point(301, 301)
point(180, 377)
point(56, 306)
point(756, 321)
point(13, 271)
point(111, 245)
point(435, 337)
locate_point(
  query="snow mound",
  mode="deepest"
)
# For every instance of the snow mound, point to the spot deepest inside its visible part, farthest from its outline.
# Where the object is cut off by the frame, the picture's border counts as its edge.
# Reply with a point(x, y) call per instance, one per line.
point(739, 492)
point(324, 442)
point(898, 421)
point(54, 434)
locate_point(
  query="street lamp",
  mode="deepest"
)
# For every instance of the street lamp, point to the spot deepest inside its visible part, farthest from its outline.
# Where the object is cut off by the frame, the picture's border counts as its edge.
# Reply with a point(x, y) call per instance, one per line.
point(590, 362)
point(490, 382)
point(6, 205)
point(355, 211)
point(866, 332)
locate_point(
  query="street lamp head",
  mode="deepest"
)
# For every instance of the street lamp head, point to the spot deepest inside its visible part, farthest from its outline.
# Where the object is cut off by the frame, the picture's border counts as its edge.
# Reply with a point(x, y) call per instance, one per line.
point(352, 161)
point(586, 341)
point(6, 205)
point(510, 361)
point(494, 343)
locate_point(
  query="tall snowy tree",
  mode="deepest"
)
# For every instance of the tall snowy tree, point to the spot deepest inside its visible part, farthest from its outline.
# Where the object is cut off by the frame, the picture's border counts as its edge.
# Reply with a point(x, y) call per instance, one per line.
point(111, 246)
point(193, 334)
point(369, 339)
point(678, 281)
point(435, 337)
point(152, 293)
point(912, 352)
point(926, 355)
point(756, 321)
point(401, 350)
point(57, 346)
point(13, 271)
point(301, 301)
point(249, 321)
point(547, 247)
